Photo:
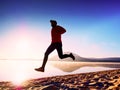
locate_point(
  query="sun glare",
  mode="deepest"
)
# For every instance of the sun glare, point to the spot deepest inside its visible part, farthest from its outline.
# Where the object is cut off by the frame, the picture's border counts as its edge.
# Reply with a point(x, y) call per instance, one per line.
point(19, 78)
point(23, 45)
point(20, 74)
point(23, 48)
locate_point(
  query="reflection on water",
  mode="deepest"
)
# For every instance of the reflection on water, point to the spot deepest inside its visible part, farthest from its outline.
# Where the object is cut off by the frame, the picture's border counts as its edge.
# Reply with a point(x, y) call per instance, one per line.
point(20, 70)
point(72, 66)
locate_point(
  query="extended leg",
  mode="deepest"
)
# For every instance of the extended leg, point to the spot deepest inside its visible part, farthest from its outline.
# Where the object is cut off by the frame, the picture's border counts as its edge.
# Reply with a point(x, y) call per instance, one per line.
point(48, 51)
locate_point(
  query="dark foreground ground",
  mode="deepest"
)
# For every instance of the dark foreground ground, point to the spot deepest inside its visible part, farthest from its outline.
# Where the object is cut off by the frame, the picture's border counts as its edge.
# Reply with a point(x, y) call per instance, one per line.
point(103, 80)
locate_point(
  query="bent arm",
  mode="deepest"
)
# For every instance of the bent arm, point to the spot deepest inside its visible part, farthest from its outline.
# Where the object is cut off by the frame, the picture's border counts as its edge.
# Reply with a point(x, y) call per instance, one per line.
point(61, 30)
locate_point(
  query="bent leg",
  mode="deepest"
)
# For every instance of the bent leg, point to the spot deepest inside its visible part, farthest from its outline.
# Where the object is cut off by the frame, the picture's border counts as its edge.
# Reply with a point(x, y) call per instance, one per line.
point(60, 52)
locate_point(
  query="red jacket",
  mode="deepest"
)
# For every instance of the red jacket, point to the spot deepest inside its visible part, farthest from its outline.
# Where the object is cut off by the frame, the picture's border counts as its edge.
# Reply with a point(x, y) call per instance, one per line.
point(56, 33)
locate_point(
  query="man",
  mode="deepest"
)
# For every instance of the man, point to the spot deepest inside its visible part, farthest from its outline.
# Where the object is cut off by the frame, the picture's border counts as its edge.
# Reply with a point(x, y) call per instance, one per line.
point(56, 43)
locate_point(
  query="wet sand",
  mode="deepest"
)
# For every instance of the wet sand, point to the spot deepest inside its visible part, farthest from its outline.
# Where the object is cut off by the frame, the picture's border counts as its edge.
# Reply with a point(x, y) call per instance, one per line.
point(102, 80)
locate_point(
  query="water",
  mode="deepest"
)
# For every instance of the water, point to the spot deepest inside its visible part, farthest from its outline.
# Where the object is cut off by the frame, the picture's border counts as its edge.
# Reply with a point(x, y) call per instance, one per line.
point(21, 70)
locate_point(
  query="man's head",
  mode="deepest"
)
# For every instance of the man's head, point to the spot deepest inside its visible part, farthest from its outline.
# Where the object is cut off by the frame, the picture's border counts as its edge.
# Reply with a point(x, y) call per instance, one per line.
point(53, 23)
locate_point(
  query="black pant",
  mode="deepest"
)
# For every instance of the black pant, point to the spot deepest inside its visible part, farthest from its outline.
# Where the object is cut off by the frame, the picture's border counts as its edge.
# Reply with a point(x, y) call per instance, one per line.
point(53, 46)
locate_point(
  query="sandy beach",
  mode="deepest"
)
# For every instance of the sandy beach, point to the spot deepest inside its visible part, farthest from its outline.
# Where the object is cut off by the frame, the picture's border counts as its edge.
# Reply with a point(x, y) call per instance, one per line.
point(102, 80)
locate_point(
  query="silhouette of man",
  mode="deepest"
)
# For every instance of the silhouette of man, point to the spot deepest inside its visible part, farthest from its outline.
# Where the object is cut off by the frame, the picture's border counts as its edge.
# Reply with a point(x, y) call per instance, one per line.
point(56, 43)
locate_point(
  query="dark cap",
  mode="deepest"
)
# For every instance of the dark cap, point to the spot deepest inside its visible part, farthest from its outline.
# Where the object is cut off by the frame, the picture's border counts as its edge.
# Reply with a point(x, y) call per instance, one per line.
point(53, 21)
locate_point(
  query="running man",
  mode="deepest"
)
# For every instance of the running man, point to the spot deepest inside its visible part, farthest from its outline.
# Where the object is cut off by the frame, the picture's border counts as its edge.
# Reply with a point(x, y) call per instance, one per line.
point(56, 43)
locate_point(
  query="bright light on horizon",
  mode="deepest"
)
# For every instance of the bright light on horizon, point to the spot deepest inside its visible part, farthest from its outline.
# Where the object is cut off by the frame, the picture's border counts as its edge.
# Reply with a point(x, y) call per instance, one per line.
point(23, 45)
point(26, 43)
point(19, 78)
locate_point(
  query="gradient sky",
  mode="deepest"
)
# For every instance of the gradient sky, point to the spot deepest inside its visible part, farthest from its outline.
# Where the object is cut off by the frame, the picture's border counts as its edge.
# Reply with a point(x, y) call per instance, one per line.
point(93, 27)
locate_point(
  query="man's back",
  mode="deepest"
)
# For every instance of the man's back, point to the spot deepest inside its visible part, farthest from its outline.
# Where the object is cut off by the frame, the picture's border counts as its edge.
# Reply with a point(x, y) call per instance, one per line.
point(56, 33)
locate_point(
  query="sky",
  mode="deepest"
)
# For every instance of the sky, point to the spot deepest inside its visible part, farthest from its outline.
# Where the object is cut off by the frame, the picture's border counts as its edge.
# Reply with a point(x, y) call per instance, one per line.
point(93, 27)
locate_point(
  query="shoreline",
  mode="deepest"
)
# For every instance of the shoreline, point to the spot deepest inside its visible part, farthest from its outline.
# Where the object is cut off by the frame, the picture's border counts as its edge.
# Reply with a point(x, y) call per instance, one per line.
point(108, 79)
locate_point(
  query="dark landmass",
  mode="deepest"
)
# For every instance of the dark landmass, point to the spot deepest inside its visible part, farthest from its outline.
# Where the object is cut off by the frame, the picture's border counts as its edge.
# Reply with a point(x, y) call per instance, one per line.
point(69, 65)
point(101, 59)
point(78, 58)
point(83, 59)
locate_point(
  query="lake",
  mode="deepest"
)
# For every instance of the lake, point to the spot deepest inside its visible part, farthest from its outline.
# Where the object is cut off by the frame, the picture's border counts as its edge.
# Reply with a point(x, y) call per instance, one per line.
point(18, 71)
